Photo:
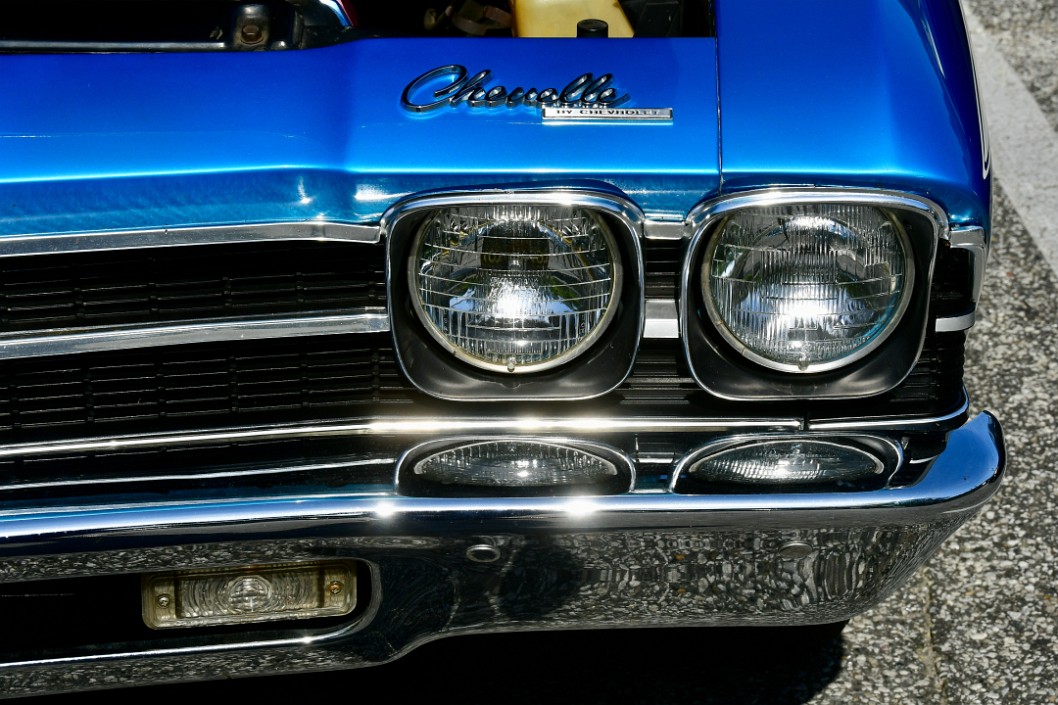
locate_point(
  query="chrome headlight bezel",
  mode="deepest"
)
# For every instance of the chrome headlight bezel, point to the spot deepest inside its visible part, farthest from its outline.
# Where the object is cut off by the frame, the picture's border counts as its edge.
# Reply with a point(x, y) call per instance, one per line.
point(596, 367)
point(722, 367)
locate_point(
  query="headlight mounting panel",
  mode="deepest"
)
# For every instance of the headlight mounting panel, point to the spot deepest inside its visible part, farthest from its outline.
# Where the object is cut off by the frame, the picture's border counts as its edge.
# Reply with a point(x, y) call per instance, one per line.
point(718, 366)
point(443, 370)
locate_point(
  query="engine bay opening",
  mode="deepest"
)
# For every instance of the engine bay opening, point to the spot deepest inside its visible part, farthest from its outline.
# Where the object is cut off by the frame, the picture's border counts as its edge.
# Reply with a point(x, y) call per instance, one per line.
point(75, 26)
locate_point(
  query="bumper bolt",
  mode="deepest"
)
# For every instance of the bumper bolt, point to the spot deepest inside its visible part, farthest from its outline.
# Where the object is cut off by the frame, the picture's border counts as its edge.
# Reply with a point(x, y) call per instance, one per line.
point(251, 33)
point(483, 553)
point(795, 550)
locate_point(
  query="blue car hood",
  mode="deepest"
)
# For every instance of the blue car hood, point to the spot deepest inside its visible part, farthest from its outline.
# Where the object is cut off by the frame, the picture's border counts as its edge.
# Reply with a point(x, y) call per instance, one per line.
point(875, 94)
point(127, 141)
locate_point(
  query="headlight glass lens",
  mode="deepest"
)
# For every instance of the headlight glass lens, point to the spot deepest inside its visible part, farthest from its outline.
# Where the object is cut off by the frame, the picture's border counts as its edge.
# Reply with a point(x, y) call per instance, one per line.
point(515, 288)
point(807, 288)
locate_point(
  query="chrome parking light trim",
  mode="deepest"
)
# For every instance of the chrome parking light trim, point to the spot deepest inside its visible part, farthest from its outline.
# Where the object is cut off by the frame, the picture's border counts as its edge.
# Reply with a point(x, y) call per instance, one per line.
point(61, 243)
point(67, 341)
point(399, 426)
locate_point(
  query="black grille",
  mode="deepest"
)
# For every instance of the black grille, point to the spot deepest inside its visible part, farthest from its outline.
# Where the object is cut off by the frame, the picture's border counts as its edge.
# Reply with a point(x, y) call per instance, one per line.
point(207, 386)
point(284, 379)
point(663, 262)
point(951, 291)
point(188, 283)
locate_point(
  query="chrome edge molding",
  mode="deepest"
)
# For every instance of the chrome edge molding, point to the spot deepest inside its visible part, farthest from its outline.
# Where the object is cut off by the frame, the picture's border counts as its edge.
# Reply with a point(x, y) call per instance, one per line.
point(56, 46)
point(62, 243)
point(336, 8)
point(134, 336)
point(973, 239)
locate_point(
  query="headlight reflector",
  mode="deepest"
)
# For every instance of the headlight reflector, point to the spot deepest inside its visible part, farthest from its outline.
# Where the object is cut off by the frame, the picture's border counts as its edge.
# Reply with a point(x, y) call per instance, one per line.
point(516, 288)
point(809, 287)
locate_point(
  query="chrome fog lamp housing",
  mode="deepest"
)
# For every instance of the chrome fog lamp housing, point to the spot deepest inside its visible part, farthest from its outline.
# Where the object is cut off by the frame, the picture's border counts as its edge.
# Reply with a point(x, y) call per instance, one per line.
point(514, 288)
point(515, 466)
point(790, 463)
point(807, 287)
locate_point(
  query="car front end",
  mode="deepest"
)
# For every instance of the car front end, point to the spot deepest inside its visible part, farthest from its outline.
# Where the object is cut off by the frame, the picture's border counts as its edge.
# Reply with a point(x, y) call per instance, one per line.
point(320, 345)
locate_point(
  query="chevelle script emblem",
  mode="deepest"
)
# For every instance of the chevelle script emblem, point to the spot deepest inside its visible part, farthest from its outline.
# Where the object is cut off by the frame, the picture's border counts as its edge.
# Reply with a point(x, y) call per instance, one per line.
point(586, 97)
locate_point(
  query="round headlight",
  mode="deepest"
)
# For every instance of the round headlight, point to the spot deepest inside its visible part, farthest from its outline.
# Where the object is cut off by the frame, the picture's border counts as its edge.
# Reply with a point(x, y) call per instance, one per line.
point(807, 288)
point(515, 288)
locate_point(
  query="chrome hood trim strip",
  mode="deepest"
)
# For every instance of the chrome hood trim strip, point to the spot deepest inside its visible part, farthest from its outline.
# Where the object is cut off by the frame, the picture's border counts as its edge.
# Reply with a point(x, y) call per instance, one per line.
point(53, 244)
point(67, 341)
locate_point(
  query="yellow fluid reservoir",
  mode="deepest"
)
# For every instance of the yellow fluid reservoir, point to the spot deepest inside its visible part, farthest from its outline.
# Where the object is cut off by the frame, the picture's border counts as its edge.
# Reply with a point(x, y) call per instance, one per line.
point(559, 18)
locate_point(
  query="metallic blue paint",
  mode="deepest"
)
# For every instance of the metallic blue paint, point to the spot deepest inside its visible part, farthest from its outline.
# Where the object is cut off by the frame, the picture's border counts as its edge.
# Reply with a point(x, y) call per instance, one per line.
point(872, 93)
point(128, 141)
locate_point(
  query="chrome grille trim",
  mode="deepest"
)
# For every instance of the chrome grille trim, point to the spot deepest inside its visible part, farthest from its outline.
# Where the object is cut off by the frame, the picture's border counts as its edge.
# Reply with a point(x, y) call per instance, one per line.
point(253, 473)
point(69, 341)
point(61, 243)
point(423, 426)
point(886, 423)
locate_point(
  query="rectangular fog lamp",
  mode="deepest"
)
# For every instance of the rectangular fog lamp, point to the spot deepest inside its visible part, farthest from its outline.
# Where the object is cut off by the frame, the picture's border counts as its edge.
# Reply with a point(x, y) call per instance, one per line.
point(261, 593)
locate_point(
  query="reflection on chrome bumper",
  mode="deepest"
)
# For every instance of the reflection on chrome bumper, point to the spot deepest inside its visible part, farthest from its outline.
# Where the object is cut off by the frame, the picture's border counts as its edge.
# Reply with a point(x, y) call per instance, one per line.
point(448, 566)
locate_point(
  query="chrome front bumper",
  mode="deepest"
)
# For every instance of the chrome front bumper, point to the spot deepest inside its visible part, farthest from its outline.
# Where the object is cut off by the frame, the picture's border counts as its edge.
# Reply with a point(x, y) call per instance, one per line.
point(455, 566)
